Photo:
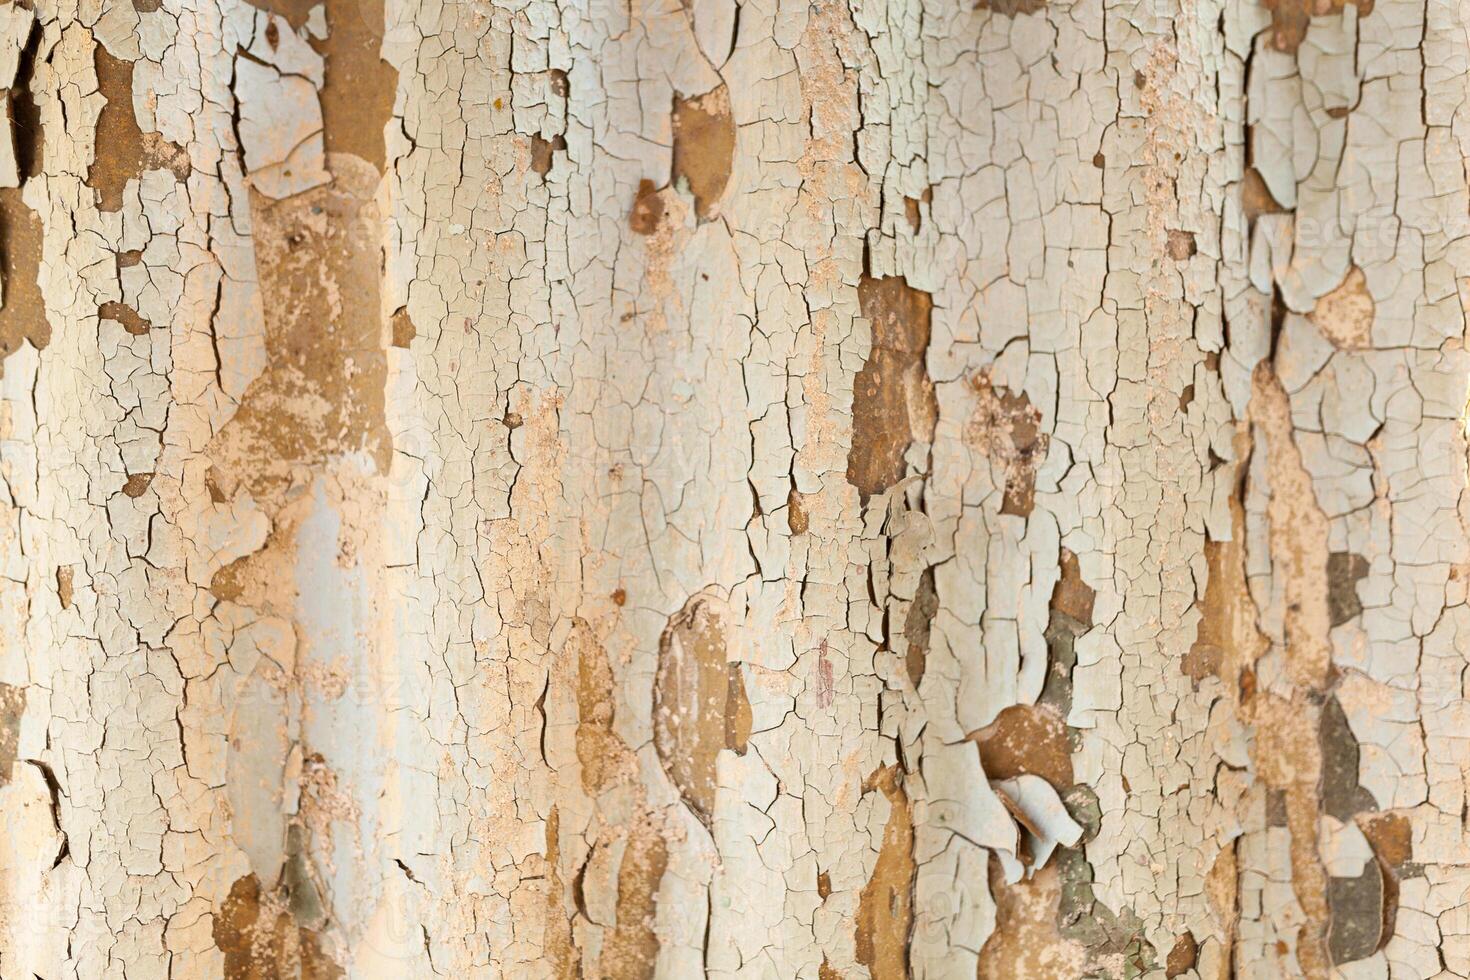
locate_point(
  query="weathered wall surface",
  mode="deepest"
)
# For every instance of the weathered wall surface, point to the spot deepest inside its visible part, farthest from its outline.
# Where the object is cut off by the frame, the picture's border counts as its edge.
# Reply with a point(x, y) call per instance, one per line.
point(881, 488)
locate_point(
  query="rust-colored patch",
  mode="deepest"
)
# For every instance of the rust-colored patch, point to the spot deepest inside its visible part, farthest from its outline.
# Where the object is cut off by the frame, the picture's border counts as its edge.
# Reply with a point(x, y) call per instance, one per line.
point(1180, 245)
point(827, 971)
point(124, 151)
point(892, 399)
point(1026, 739)
point(1206, 657)
point(402, 328)
point(561, 950)
point(1290, 18)
point(1006, 428)
point(1392, 838)
point(318, 257)
point(137, 484)
point(1256, 198)
point(125, 315)
point(631, 952)
point(1072, 595)
point(917, 626)
point(359, 86)
point(648, 209)
point(1345, 315)
point(543, 153)
point(261, 941)
point(885, 913)
point(64, 576)
point(704, 146)
point(12, 707)
point(229, 583)
point(912, 213)
point(797, 519)
point(1026, 943)
point(1182, 957)
point(23, 313)
point(1286, 750)
point(1247, 687)
point(604, 756)
point(698, 703)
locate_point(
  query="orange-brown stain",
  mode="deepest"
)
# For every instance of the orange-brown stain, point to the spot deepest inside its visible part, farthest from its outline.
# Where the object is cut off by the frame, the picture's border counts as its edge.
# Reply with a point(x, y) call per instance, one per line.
point(892, 399)
point(704, 146)
point(648, 208)
point(261, 941)
point(124, 151)
point(631, 951)
point(885, 914)
point(1025, 739)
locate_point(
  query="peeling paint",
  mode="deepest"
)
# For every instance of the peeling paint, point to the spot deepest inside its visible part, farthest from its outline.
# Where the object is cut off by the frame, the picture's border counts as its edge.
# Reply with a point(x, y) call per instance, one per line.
point(1290, 18)
point(885, 908)
point(317, 255)
point(259, 939)
point(699, 703)
point(129, 150)
point(1005, 428)
point(704, 147)
point(893, 399)
point(733, 490)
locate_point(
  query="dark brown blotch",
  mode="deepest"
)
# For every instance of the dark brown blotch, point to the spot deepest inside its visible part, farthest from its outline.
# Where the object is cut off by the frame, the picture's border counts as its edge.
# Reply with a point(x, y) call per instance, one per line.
point(1344, 571)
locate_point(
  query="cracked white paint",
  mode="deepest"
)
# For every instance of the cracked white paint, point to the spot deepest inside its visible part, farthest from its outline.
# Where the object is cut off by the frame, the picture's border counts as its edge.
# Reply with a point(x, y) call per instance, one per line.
point(1155, 288)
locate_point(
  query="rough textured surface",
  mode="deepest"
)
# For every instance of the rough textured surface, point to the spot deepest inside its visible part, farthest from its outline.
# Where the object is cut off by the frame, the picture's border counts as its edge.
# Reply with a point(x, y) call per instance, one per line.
point(838, 489)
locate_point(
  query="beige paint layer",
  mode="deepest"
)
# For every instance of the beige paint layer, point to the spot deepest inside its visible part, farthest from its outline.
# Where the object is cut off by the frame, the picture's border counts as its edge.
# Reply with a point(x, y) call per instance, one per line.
point(761, 489)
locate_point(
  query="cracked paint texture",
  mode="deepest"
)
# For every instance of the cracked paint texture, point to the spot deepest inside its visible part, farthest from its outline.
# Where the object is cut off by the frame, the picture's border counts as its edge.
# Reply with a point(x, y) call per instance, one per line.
point(762, 489)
